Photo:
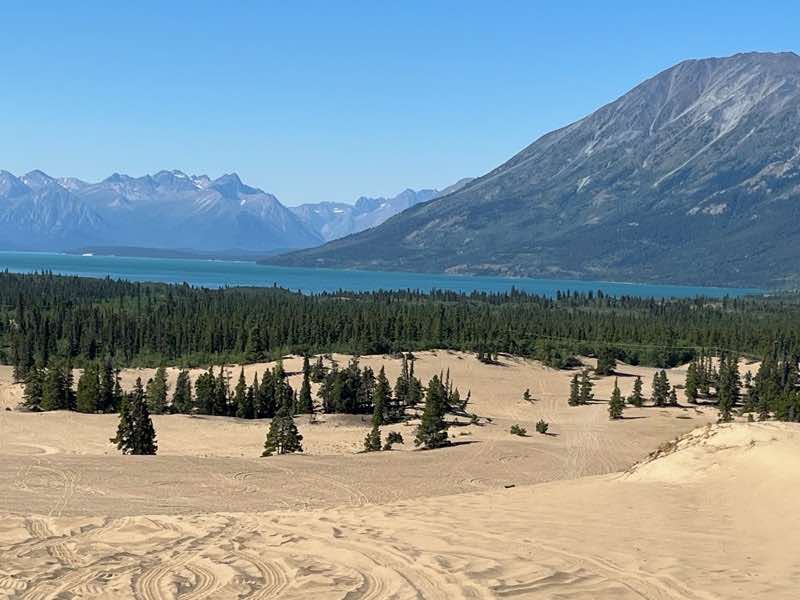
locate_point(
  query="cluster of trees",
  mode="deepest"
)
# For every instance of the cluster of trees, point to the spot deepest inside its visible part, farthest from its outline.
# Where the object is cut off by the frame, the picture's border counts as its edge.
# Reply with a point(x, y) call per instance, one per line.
point(580, 389)
point(46, 318)
point(774, 392)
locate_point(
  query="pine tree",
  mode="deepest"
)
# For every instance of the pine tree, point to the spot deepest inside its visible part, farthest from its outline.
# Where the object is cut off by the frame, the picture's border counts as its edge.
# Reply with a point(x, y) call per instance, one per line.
point(382, 397)
point(125, 428)
point(616, 404)
point(692, 383)
point(526, 396)
point(205, 392)
point(661, 387)
point(34, 388)
point(372, 443)
point(585, 388)
point(432, 430)
point(108, 383)
point(636, 398)
point(574, 391)
point(55, 393)
point(182, 397)
point(304, 403)
point(283, 437)
point(135, 432)
point(157, 390)
point(606, 362)
point(240, 396)
point(221, 393)
point(88, 398)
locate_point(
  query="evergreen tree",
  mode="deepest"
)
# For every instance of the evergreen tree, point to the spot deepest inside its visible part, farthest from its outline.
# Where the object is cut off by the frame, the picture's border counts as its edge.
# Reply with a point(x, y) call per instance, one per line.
point(304, 403)
point(574, 391)
point(283, 437)
point(692, 383)
point(34, 389)
point(606, 361)
point(661, 387)
point(88, 398)
point(372, 443)
point(526, 396)
point(157, 390)
point(616, 404)
point(135, 432)
point(585, 388)
point(182, 396)
point(125, 428)
point(109, 402)
point(636, 398)
point(205, 392)
point(382, 398)
point(56, 395)
point(240, 397)
point(222, 393)
point(432, 430)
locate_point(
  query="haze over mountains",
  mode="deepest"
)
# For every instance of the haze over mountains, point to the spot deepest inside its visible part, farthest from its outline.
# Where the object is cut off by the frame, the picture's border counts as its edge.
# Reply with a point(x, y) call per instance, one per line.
point(693, 176)
point(171, 210)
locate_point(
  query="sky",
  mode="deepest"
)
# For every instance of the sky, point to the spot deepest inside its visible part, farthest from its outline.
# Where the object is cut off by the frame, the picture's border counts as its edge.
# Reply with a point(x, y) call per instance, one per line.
point(333, 100)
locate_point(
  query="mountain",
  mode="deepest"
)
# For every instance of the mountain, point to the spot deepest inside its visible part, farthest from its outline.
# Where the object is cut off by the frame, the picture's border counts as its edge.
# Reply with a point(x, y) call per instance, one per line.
point(333, 220)
point(693, 176)
point(167, 210)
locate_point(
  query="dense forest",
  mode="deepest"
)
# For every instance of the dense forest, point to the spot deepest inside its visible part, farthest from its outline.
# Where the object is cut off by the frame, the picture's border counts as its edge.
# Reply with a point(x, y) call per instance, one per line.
point(45, 317)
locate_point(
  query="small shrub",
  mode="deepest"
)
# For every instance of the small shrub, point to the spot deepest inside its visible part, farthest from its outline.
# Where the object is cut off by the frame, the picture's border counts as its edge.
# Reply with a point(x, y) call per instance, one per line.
point(517, 430)
point(394, 437)
point(542, 426)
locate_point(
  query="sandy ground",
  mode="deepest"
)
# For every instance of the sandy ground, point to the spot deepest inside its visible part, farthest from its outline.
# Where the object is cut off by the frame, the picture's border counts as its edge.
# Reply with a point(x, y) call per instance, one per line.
point(207, 518)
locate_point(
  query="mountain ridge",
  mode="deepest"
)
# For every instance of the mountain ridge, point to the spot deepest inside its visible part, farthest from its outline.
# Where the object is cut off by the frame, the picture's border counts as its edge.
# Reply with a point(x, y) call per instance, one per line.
point(689, 177)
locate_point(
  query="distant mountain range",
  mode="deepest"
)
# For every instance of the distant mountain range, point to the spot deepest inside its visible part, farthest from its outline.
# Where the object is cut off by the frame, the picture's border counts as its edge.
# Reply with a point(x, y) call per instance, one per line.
point(333, 220)
point(171, 212)
point(693, 176)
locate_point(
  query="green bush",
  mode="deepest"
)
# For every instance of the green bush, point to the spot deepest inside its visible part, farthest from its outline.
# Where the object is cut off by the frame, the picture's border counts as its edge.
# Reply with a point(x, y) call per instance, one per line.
point(542, 426)
point(517, 430)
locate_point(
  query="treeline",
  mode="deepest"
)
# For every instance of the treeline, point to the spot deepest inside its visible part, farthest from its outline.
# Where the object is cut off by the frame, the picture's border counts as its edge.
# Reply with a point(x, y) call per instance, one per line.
point(46, 318)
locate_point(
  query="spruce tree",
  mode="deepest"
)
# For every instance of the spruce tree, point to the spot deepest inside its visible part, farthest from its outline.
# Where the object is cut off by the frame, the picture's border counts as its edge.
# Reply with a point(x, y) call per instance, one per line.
point(135, 432)
point(88, 398)
point(125, 428)
point(34, 388)
point(108, 383)
point(372, 443)
point(636, 398)
point(144, 441)
point(382, 396)
point(55, 393)
point(283, 437)
point(305, 405)
point(692, 383)
point(205, 392)
point(574, 391)
point(616, 404)
point(240, 396)
point(182, 397)
point(157, 390)
point(432, 430)
point(585, 388)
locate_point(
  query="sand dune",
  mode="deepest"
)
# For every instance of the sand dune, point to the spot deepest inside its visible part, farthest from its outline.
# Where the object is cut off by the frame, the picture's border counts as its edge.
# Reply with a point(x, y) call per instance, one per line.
point(659, 531)
point(707, 517)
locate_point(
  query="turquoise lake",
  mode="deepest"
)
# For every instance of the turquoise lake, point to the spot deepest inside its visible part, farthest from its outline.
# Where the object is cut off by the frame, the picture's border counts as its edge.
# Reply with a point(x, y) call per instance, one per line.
point(213, 273)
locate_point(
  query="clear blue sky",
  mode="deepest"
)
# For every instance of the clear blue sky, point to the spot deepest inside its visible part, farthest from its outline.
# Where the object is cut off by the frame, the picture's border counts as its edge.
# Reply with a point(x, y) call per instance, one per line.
point(331, 100)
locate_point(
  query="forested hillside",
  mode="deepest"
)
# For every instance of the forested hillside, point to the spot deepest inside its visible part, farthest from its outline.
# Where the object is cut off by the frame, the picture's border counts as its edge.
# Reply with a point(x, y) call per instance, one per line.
point(47, 317)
